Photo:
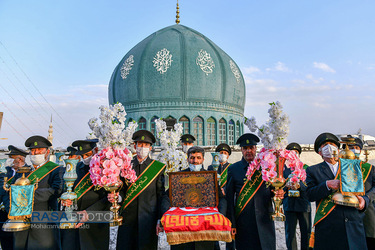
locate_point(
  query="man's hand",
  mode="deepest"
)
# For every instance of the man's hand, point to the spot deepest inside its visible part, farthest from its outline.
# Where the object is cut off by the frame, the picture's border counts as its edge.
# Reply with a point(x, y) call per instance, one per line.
point(66, 203)
point(85, 217)
point(111, 197)
point(362, 202)
point(279, 193)
point(159, 228)
point(333, 184)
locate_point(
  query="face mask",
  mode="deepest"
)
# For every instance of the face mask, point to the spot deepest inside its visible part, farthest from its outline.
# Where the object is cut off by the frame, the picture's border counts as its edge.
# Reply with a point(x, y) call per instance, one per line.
point(87, 160)
point(185, 148)
point(37, 159)
point(223, 158)
point(142, 152)
point(195, 167)
point(328, 151)
point(9, 162)
point(357, 152)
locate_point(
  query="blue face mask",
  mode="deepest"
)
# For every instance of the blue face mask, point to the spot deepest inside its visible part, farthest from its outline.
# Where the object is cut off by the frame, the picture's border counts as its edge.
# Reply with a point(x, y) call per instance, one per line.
point(356, 152)
point(195, 167)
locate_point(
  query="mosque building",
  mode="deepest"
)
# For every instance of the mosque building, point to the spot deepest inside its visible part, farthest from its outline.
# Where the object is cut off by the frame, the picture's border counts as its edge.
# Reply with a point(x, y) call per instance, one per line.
point(179, 73)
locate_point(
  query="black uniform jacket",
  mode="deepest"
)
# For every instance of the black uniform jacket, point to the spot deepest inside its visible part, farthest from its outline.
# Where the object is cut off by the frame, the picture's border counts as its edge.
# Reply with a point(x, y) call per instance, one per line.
point(369, 220)
point(45, 199)
point(140, 217)
point(296, 204)
point(90, 235)
point(343, 227)
point(255, 229)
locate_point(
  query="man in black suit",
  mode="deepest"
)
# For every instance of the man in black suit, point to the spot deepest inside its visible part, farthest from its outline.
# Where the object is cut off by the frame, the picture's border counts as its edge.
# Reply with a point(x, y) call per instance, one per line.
point(142, 213)
point(18, 157)
point(296, 209)
point(44, 236)
point(91, 235)
point(341, 227)
point(252, 226)
point(195, 159)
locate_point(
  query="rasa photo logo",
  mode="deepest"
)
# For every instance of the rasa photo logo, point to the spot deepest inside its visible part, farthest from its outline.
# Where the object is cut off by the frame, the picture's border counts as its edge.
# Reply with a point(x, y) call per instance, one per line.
point(71, 217)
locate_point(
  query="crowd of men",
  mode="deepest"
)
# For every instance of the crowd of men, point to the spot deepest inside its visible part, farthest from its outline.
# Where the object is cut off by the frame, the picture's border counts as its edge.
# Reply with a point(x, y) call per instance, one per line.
point(341, 227)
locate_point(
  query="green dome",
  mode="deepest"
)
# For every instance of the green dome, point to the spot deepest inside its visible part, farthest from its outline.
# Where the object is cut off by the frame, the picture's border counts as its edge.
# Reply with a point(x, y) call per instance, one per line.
point(177, 72)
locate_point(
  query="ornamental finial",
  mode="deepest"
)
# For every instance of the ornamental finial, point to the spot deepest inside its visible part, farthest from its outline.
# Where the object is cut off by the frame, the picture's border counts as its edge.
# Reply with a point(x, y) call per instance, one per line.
point(177, 14)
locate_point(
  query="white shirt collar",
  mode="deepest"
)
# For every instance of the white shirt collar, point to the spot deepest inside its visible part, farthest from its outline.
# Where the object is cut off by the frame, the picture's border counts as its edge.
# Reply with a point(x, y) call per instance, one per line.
point(333, 167)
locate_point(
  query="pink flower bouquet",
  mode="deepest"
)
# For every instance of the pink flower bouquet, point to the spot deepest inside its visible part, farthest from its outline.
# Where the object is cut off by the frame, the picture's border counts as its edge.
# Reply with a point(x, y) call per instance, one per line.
point(109, 164)
point(271, 162)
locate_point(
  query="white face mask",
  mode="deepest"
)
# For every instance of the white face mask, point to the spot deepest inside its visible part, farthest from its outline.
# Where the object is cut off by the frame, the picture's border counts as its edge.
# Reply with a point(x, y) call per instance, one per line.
point(37, 159)
point(185, 148)
point(223, 158)
point(142, 152)
point(329, 151)
point(195, 167)
point(357, 152)
point(9, 162)
point(87, 160)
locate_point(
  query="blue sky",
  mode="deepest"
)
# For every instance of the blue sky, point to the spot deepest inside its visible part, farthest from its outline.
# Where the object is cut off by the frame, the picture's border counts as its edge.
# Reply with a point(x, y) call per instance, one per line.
point(316, 57)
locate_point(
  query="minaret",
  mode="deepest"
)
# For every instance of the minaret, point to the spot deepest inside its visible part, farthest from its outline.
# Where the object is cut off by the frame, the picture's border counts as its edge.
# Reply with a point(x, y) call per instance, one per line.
point(177, 14)
point(50, 132)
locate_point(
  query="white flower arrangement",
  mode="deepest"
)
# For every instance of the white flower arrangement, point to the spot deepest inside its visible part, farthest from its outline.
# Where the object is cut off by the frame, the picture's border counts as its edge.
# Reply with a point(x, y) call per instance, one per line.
point(173, 158)
point(277, 127)
point(111, 130)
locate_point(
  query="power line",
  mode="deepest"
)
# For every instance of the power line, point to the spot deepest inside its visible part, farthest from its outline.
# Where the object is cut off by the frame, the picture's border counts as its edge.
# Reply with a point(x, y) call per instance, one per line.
point(28, 113)
point(20, 121)
point(32, 83)
point(10, 125)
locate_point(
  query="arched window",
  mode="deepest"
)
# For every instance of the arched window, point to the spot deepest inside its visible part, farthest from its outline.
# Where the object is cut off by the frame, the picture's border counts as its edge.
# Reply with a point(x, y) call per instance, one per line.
point(211, 131)
point(153, 129)
point(237, 129)
point(185, 124)
point(231, 132)
point(141, 123)
point(152, 125)
point(222, 131)
point(198, 130)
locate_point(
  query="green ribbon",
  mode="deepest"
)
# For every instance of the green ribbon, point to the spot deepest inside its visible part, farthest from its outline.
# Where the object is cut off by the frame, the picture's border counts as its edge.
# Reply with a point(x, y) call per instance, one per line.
point(248, 190)
point(224, 176)
point(42, 171)
point(83, 186)
point(143, 181)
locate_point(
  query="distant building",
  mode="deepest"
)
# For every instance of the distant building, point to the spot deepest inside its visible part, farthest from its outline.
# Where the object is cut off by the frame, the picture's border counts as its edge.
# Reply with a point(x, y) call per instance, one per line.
point(179, 73)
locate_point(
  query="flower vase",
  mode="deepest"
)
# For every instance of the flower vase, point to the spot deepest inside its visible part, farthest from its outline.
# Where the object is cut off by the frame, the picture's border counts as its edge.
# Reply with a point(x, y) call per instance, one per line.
point(3, 170)
point(215, 160)
point(278, 183)
point(117, 219)
point(59, 158)
point(69, 177)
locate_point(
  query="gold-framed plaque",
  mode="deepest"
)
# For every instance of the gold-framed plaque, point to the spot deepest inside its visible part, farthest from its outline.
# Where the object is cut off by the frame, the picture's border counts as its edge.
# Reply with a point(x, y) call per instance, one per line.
point(193, 189)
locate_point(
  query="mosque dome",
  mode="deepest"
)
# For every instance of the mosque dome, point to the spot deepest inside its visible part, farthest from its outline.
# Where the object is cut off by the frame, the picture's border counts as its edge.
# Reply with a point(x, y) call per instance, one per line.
point(177, 72)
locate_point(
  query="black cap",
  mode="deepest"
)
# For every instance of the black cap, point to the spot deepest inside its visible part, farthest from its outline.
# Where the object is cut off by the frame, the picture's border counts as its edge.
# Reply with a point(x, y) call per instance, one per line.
point(223, 147)
point(358, 142)
point(294, 146)
point(323, 138)
point(144, 136)
point(248, 140)
point(187, 138)
point(37, 141)
point(195, 149)
point(84, 146)
point(16, 151)
point(71, 150)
